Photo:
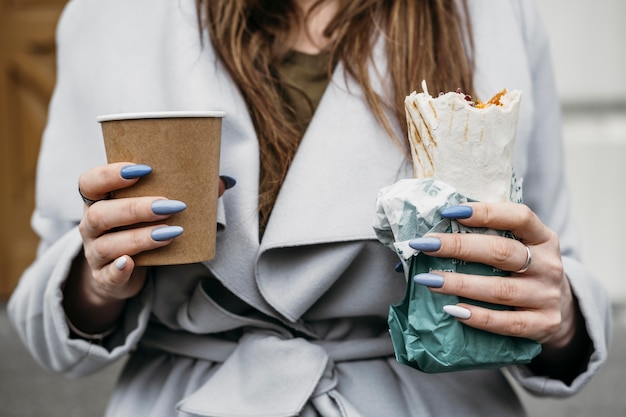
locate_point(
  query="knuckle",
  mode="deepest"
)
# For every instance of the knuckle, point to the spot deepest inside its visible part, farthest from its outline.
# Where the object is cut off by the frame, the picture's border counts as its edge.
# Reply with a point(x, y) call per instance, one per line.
point(550, 325)
point(82, 228)
point(462, 285)
point(94, 220)
point(554, 272)
point(139, 240)
point(558, 268)
point(115, 278)
point(134, 209)
point(553, 322)
point(552, 295)
point(553, 237)
point(527, 216)
point(454, 245)
point(487, 214)
point(501, 252)
point(104, 176)
point(516, 325)
point(484, 321)
point(106, 282)
point(98, 252)
point(505, 291)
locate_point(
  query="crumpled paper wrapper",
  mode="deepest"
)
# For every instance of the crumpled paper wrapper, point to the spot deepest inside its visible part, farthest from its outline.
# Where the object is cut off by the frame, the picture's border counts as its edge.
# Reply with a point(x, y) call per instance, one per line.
point(423, 335)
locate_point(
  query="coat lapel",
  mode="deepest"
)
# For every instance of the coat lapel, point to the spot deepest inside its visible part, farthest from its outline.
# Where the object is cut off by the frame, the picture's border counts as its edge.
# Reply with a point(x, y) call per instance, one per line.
point(326, 204)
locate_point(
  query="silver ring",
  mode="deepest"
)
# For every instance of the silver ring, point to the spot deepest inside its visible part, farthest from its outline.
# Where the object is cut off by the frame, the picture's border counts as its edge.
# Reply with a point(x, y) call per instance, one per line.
point(86, 200)
point(529, 259)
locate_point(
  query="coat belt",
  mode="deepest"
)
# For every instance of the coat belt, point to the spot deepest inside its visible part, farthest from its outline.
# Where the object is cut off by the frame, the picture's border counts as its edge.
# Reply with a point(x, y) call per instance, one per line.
point(264, 374)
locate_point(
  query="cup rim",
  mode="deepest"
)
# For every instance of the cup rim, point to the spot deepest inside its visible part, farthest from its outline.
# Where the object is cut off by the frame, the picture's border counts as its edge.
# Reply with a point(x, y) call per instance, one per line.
point(159, 115)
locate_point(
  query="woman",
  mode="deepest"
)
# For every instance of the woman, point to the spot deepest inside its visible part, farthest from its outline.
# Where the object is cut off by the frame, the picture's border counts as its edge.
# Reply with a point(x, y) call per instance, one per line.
point(290, 316)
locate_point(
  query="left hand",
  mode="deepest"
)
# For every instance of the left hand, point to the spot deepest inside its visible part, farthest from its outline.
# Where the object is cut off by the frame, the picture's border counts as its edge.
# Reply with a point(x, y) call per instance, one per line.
point(543, 305)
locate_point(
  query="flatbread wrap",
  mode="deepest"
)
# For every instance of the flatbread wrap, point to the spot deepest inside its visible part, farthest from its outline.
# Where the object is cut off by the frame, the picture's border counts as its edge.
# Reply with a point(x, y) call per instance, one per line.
point(466, 144)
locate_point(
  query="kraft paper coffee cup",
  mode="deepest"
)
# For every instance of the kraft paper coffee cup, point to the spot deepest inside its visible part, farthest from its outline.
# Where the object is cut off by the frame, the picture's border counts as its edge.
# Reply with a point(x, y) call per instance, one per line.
point(183, 149)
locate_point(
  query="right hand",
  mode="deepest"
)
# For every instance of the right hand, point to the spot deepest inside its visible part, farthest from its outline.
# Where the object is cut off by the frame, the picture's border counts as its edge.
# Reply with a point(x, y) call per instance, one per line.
point(108, 252)
point(101, 281)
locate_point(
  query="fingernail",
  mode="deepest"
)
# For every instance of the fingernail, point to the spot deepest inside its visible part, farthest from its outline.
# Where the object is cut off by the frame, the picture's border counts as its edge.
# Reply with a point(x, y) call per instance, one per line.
point(457, 212)
point(429, 280)
point(135, 171)
point(168, 206)
point(399, 267)
point(458, 312)
point(427, 244)
point(166, 233)
point(120, 262)
point(229, 182)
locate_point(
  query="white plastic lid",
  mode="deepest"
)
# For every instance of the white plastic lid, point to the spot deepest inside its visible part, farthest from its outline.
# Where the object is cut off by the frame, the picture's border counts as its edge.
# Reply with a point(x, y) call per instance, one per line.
point(158, 115)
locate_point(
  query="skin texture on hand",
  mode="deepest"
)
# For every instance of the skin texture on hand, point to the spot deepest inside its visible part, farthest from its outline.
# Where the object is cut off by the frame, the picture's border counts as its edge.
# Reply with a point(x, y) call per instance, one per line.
point(539, 296)
point(544, 308)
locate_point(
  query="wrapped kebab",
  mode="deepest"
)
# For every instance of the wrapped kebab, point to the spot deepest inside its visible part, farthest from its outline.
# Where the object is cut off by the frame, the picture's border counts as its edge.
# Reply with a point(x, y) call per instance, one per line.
point(464, 144)
point(461, 151)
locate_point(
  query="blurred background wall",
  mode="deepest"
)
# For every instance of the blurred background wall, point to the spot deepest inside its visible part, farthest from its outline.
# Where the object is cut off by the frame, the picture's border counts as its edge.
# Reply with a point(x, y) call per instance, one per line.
point(589, 53)
point(27, 76)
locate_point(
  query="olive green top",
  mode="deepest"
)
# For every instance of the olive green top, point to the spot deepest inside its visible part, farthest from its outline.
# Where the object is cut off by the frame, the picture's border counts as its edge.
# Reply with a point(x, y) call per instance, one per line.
point(306, 78)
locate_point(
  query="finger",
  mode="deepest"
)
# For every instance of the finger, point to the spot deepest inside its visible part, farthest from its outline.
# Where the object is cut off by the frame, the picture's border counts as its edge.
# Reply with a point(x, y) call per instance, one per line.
point(117, 273)
point(97, 183)
point(517, 218)
point(112, 246)
point(112, 214)
point(510, 291)
point(225, 183)
point(532, 324)
point(120, 279)
point(500, 252)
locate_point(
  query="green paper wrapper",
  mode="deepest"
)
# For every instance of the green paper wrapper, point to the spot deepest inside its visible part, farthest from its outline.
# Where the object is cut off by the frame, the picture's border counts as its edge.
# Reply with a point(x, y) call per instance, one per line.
point(424, 336)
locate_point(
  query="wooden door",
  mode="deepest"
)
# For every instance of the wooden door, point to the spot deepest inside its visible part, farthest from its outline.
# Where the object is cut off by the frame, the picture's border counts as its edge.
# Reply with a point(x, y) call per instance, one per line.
point(27, 75)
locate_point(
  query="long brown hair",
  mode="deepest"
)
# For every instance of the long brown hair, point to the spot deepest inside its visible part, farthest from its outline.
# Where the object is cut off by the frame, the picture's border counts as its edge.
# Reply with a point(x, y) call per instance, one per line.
point(425, 39)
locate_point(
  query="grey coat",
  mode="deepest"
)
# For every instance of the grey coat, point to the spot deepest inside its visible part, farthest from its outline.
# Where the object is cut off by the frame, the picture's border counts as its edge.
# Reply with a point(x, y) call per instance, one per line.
point(319, 283)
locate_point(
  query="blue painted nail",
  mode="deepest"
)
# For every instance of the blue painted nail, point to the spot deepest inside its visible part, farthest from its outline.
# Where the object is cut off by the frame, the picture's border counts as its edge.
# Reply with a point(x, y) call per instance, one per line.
point(429, 280)
point(168, 206)
point(426, 244)
point(399, 267)
point(457, 212)
point(135, 171)
point(229, 182)
point(166, 233)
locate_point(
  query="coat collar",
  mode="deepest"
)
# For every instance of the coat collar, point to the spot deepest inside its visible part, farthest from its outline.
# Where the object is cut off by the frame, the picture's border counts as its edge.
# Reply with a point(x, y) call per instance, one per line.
point(344, 158)
point(327, 202)
point(328, 196)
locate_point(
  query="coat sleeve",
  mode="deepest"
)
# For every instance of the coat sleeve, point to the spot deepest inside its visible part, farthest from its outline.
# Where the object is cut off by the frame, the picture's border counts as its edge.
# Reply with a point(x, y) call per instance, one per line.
point(71, 143)
point(546, 192)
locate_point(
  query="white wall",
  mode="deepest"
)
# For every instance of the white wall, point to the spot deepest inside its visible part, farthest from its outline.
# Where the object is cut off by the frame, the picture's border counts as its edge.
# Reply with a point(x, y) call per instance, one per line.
point(589, 52)
point(589, 47)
